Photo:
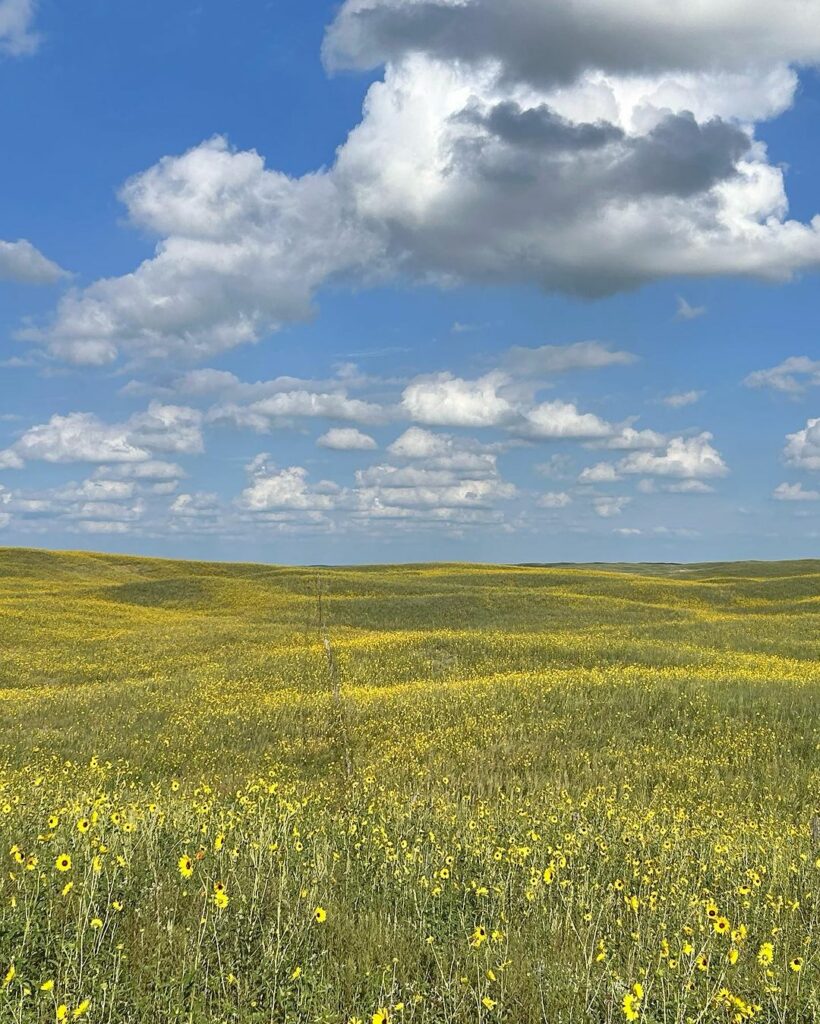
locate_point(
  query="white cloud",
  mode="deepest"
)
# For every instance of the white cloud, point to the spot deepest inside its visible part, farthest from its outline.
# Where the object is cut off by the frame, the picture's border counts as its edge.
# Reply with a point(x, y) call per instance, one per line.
point(794, 492)
point(263, 415)
point(554, 499)
point(241, 251)
point(559, 419)
point(195, 506)
point(272, 489)
point(803, 447)
point(16, 20)
point(79, 437)
point(793, 376)
point(346, 439)
point(440, 399)
point(21, 262)
point(410, 487)
point(609, 507)
point(602, 472)
point(692, 457)
point(582, 147)
point(445, 480)
point(684, 398)
point(443, 451)
point(82, 437)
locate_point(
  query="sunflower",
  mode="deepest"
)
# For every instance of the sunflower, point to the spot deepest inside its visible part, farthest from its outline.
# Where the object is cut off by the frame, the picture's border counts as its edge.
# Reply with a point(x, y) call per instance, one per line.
point(186, 866)
point(765, 954)
point(63, 862)
point(320, 915)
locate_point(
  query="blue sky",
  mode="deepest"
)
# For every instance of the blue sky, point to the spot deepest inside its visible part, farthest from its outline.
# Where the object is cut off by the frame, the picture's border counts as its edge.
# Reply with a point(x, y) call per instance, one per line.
point(379, 282)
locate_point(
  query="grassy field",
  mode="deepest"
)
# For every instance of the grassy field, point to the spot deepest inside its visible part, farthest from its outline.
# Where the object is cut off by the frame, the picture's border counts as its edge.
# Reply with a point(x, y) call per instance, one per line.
point(441, 793)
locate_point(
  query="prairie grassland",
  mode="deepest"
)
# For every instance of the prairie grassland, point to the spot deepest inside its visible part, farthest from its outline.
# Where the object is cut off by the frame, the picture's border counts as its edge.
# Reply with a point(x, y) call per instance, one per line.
point(414, 794)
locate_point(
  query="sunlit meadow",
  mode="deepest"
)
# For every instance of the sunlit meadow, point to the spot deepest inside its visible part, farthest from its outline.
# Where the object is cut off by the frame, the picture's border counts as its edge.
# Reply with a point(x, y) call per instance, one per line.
point(410, 794)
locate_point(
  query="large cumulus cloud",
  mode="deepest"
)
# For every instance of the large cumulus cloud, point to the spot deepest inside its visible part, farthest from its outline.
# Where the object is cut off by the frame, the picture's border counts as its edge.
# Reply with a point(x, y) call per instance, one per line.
point(586, 147)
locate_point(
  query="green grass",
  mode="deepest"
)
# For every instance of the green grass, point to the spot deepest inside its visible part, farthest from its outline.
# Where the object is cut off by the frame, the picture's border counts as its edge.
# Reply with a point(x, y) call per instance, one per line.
point(653, 726)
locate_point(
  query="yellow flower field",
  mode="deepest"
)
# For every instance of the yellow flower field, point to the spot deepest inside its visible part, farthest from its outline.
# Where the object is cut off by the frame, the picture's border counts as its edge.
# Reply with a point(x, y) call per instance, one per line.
point(408, 794)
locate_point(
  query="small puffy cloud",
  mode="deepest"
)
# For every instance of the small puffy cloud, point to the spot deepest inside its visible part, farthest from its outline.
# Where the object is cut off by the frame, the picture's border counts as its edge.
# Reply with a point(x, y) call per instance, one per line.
point(79, 437)
point(347, 439)
point(21, 262)
point(16, 35)
point(684, 398)
point(803, 447)
point(410, 487)
point(601, 473)
point(200, 505)
point(550, 359)
point(417, 443)
point(263, 415)
point(83, 437)
point(443, 451)
point(557, 419)
point(441, 399)
point(554, 499)
point(692, 457)
point(607, 508)
point(793, 376)
point(794, 492)
point(274, 489)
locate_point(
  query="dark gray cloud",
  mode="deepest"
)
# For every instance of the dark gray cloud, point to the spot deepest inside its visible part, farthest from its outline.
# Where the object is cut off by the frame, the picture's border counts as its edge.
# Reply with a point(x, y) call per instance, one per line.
point(681, 157)
point(542, 128)
point(536, 146)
